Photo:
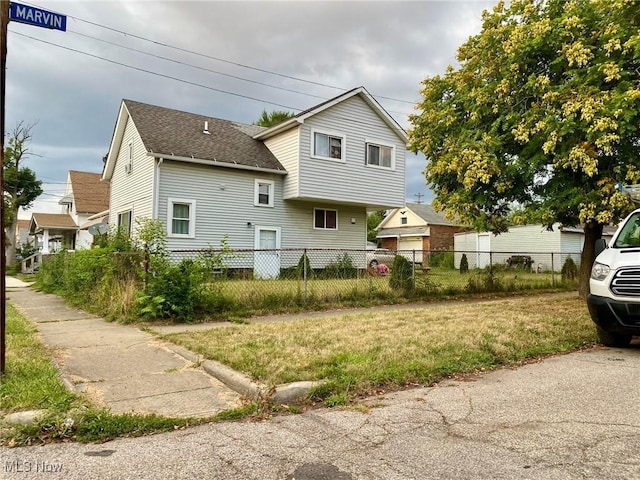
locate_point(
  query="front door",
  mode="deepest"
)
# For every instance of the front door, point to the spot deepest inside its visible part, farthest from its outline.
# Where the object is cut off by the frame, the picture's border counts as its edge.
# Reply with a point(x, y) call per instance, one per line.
point(266, 261)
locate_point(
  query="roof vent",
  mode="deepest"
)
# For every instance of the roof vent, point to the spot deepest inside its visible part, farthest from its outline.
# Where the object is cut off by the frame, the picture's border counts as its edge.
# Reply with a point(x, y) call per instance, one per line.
point(206, 128)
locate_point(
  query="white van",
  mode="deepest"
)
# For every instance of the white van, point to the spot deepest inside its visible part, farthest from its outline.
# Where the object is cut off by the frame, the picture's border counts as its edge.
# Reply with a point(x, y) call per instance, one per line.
point(614, 298)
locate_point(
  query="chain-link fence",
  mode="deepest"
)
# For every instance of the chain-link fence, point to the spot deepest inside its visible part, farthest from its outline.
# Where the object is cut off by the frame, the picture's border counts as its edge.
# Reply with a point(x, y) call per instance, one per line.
point(259, 278)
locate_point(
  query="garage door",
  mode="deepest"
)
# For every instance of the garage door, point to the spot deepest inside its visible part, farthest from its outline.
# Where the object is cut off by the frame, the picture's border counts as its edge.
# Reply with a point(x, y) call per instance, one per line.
point(408, 244)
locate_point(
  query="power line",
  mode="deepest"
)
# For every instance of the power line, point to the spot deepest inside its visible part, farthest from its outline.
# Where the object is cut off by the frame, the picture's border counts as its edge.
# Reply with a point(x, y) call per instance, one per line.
point(192, 52)
point(194, 66)
point(158, 74)
point(168, 76)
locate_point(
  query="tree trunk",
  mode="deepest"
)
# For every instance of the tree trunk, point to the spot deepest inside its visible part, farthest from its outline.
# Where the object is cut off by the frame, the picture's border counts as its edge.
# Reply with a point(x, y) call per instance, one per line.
point(592, 232)
point(11, 242)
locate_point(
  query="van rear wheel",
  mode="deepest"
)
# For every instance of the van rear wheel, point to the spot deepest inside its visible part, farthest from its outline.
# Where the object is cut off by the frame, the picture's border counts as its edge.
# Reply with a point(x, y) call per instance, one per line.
point(613, 339)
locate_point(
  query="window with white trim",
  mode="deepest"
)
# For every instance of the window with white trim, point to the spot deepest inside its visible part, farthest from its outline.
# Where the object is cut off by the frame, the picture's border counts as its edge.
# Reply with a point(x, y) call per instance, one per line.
point(124, 222)
point(380, 155)
point(181, 218)
point(263, 193)
point(328, 145)
point(325, 219)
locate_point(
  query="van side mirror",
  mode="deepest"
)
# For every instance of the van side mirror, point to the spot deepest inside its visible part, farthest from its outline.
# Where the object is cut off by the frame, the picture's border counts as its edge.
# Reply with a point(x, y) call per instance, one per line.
point(601, 244)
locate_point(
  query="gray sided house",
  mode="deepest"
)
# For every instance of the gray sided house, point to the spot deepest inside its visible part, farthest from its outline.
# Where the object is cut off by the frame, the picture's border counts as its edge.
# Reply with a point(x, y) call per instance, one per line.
point(305, 183)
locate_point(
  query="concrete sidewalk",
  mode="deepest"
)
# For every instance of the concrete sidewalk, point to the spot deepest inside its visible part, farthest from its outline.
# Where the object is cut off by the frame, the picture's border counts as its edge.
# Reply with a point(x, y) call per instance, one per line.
point(120, 366)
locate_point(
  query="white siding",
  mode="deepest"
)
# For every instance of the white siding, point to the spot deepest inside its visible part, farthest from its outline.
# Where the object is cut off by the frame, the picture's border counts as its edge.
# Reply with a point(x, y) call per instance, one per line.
point(225, 206)
point(132, 190)
point(351, 181)
point(286, 148)
point(571, 246)
point(84, 239)
point(533, 240)
point(465, 243)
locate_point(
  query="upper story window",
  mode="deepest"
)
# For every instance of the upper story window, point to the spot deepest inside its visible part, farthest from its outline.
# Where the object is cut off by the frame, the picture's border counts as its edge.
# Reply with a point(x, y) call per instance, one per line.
point(181, 218)
point(325, 219)
point(263, 193)
point(380, 155)
point(328, 145)
point(124, 222)
point(403, 220)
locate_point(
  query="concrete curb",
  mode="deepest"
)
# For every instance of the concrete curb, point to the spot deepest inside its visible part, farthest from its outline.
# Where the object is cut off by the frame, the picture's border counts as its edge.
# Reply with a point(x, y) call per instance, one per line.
point(24, 418)
point(235, 380)
point(239, 382)
point(62, 376)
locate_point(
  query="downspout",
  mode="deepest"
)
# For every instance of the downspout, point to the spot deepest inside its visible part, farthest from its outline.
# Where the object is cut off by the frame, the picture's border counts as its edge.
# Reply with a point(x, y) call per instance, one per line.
point(156, 189)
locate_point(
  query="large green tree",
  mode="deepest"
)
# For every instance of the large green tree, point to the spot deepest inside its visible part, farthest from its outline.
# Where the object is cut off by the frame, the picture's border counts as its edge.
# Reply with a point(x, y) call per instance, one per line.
point(21, 187)
point(542, 113)
point(269, 119)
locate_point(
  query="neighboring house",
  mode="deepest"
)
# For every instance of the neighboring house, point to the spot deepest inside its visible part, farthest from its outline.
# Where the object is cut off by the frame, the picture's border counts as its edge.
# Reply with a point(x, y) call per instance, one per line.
point(22, 235)
point(305, 183)
point(54, 231)
point(86, 198)
point(534, 241)
point(418, 227)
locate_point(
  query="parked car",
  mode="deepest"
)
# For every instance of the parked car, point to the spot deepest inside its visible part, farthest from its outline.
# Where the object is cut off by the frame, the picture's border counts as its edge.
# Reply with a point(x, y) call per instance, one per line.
point(379, 256)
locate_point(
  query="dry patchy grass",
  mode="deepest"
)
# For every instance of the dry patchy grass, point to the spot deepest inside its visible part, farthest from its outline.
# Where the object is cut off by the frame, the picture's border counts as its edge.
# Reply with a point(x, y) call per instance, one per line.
point(358, 352)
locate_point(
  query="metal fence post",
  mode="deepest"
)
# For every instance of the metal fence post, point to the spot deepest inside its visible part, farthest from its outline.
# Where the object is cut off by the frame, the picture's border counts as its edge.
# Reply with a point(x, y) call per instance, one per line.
point(490, 262)
point(413, 268)
point(304, 272)
point(553, 272)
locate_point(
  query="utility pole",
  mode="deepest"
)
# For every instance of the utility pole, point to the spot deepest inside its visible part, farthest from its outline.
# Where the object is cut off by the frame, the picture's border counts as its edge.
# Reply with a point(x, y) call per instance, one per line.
point(419, 195)
point(4, 20)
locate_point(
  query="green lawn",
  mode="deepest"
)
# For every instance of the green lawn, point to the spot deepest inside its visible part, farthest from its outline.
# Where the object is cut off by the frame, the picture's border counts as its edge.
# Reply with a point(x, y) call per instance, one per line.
point(358, 352)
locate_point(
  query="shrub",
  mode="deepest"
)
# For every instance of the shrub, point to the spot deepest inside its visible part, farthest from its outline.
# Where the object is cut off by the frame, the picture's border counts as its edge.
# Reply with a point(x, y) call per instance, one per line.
point(569, 269)
point(401, 274)
point(442, 260)
point(464, 264)
point(173, 291)
point(342, 268)
point(304, 267)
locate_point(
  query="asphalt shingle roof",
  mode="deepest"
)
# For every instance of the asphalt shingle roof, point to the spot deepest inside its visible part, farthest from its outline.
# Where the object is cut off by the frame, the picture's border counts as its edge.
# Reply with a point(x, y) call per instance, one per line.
point(428, 214)
point(172, 132)
point(89, 193)
point(53, 220)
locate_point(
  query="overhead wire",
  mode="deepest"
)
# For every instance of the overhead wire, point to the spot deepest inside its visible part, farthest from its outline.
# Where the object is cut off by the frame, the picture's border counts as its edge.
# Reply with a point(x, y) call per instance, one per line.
point(157, 73)
point(170, 77)
point(219, 59)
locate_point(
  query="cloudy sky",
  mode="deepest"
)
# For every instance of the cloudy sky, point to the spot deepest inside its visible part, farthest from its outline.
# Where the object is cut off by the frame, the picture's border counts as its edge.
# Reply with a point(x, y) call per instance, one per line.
point(227, 60)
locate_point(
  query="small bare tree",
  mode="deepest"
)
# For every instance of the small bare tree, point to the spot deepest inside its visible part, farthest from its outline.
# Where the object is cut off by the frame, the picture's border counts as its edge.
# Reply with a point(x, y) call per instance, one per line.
point(21, 187)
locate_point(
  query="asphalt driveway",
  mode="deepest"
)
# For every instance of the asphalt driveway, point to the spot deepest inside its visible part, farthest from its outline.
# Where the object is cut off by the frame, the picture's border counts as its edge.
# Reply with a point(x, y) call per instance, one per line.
point(574, 416)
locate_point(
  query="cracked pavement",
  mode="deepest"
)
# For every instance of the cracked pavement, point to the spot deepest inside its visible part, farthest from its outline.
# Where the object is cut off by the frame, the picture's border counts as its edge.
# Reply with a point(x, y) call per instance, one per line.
point(573, 416)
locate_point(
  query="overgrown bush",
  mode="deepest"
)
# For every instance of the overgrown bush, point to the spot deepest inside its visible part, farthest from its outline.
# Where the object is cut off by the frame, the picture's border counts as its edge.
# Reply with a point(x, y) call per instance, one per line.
point(401, 274)
point(303, 269)
point(442, 260)
point(174, 291)
point(342, 267)
point(464, 263)
point(569, 270)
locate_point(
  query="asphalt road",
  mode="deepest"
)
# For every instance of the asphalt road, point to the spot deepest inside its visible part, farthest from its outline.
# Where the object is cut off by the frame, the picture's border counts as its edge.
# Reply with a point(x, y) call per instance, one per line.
point(575, 416)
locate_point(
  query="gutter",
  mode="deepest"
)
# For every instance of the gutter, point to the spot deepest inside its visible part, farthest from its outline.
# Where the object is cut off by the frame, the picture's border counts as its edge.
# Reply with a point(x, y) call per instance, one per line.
point(215, 163)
